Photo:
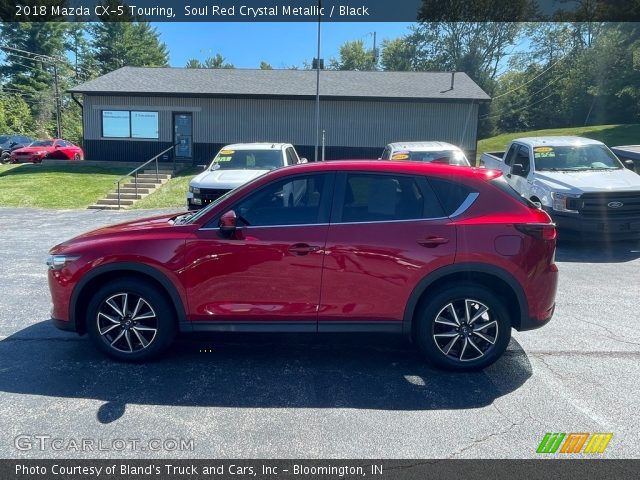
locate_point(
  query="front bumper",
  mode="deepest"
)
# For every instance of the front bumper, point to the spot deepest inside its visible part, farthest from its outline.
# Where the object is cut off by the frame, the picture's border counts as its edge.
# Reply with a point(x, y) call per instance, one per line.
point(577, 224)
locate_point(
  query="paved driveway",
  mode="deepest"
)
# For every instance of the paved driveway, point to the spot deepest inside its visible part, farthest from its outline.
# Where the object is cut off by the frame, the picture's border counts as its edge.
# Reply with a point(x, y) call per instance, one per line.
point(293, 396)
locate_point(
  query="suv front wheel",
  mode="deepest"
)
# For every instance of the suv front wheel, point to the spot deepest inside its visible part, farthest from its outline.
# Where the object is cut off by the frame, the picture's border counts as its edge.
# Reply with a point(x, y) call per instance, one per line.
point(464, 327)
point(130, 320)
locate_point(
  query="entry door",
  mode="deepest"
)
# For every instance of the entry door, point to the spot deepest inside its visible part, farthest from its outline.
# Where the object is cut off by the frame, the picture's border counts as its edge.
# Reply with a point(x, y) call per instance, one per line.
point(183, 134)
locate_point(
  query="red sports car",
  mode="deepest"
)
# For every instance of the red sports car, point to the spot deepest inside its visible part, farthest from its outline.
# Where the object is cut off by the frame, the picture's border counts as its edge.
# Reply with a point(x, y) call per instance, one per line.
point(55, 148)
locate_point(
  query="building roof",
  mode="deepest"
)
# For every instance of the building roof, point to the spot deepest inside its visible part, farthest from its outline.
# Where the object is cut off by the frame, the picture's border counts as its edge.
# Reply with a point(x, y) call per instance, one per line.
point(284, 83)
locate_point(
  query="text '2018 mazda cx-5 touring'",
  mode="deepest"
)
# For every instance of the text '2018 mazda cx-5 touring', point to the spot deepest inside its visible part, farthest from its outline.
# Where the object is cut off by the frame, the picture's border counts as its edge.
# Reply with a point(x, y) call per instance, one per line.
point(450, 256)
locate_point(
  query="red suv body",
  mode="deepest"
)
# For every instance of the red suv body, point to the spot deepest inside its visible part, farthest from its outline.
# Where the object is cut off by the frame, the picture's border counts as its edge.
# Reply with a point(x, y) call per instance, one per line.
point(451, 256)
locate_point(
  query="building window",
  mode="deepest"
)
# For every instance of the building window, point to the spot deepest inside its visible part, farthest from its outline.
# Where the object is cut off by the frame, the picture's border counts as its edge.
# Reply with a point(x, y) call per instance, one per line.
point(129, 124)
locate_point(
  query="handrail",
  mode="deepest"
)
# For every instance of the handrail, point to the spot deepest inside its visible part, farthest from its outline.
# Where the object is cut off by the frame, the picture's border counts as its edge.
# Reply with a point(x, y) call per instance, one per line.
point(134, 172)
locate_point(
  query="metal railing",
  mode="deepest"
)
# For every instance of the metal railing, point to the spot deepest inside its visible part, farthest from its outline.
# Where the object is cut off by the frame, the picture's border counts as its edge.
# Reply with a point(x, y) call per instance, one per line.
point(134, 172)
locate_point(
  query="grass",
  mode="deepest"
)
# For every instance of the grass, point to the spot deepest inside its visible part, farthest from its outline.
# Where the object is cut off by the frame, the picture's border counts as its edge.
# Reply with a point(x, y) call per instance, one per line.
point(610, 135)
point(172, 194)
point(56, 186)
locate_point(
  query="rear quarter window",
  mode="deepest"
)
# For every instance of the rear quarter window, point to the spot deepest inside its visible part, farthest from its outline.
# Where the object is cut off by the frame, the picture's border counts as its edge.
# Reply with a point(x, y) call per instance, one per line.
point(450, 193)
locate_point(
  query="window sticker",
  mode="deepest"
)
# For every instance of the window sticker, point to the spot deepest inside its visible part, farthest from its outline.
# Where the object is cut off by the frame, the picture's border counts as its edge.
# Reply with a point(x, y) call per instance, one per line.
point(543, 152)
point(225, 158)
point(400, 156)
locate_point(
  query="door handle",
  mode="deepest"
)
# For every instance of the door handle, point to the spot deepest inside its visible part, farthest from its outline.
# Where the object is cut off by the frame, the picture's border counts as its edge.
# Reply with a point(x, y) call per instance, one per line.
point(432, 242)
point(302, 248)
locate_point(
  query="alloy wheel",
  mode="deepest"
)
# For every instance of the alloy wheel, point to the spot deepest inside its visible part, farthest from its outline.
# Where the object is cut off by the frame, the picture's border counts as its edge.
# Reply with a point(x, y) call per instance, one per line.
point(465, 330)
point(127, 322)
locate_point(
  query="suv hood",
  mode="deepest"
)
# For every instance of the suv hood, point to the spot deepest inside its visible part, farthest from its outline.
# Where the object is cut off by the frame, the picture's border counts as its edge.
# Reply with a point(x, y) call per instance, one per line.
point(586, 181)
point(225, 179)
point(135, 226)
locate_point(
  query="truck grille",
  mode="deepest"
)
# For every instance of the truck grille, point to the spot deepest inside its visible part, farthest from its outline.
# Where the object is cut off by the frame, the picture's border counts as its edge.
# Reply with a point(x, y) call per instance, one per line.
point(208, 195)
point(617, 205)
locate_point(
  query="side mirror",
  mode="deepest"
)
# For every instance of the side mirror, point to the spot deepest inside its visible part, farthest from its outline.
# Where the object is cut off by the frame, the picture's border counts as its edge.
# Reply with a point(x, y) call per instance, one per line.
point(204, 167)
point(228, 221)
point(304, 160)
point(630, 164)
point(517, 169)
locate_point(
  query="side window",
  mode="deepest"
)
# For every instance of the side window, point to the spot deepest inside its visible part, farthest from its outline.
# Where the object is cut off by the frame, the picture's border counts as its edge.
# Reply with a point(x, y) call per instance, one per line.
point(386, 153)
point(378, 197)
point(511, 154)
point(298, 200)
point(523, 159)
point(292, 158)
point(450, 193)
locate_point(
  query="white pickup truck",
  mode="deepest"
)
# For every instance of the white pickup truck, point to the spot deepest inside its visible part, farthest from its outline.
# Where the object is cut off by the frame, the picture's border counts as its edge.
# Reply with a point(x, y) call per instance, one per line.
point(578, 181)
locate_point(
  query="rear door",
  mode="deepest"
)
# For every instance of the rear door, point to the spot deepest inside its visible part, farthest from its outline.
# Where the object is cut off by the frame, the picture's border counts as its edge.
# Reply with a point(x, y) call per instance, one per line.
point(387, 232)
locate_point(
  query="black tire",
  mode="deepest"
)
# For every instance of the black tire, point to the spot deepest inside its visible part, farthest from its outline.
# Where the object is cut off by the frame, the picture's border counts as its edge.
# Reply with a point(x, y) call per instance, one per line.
point(450, 343)
point(5, 157)
point(152, 312)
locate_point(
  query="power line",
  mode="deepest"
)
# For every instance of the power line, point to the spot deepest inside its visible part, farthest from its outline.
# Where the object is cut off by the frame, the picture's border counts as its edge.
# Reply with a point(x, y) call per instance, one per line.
point(529, 81)
point(519, 109)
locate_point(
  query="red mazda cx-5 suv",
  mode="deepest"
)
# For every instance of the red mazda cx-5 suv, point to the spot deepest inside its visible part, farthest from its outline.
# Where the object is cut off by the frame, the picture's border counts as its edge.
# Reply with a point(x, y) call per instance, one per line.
point(450, 256)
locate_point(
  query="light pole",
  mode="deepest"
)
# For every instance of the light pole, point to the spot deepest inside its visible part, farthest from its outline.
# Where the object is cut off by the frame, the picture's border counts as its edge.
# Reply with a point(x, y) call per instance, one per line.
point(315, 158)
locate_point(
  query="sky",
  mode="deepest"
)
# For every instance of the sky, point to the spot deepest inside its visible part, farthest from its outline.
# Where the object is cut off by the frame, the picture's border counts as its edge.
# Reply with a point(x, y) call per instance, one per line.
point(282, 44)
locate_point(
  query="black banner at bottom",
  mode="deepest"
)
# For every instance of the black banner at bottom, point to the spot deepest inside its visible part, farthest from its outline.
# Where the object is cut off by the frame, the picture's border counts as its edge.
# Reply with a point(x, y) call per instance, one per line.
point(550, 469)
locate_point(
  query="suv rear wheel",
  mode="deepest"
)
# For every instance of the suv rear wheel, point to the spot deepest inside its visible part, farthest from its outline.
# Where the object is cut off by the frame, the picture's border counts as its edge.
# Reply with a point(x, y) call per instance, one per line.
point(464, 327)
point(130, 320)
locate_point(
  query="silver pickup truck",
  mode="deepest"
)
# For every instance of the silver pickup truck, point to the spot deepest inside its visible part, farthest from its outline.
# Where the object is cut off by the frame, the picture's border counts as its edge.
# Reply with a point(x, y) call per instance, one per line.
point(578, 181)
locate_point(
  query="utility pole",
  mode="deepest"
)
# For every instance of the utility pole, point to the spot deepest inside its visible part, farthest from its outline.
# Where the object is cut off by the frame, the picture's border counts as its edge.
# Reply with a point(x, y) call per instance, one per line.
point(55, 80)
point(375, 53)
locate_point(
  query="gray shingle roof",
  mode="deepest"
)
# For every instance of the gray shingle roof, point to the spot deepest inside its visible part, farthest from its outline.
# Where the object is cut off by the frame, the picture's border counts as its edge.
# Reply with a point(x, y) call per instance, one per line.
point(285, 83)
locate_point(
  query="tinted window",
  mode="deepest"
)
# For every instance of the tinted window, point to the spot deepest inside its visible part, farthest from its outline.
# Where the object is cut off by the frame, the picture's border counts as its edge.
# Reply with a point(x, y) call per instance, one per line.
point(511, 153)
point(377, 197)
point(523, 159)
point(295, 200)
point(450, 193)
point(42, 143)
point(386, 153)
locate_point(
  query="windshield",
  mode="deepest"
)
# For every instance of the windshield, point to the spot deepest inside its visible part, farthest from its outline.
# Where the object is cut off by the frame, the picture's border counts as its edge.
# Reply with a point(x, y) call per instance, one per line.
point(584, 157)
point(4, 138)
point(249, 159)
point(448, 157)
point(42, 143)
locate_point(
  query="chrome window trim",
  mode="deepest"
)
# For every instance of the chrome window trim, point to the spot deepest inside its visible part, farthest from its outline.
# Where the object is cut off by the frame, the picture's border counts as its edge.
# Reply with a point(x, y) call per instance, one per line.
point(471, 198)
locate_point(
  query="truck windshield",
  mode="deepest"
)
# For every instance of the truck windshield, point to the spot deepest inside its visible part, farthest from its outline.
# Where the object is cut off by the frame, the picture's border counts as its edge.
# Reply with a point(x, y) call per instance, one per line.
point(448, 157)
point(249, 159)
point(584, 157)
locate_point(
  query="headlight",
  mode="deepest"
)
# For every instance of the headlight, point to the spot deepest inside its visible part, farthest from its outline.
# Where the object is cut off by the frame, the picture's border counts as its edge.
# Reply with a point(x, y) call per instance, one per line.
point(58, 262)
point(195, 190)
point(565, 202)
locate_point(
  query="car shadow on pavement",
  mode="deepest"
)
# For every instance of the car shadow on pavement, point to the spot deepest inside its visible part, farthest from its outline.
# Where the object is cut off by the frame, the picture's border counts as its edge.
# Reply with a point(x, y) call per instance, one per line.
point(253, 371)
point(597, 252)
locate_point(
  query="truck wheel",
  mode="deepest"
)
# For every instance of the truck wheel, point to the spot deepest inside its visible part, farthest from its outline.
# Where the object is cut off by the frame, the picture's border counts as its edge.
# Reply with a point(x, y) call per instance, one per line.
point(130, 320)
point(464, 327)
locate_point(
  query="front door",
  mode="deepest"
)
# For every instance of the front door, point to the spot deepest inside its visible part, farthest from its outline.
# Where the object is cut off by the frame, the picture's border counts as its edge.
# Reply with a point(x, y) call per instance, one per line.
point(270, 269)
point(183, 134)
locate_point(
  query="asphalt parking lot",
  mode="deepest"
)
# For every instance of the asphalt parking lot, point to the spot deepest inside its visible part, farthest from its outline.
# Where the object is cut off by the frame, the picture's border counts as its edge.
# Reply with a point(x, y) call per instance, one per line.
point(308, 397)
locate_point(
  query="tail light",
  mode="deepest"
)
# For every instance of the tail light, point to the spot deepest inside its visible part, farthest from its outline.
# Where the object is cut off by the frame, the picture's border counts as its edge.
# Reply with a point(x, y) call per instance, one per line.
point(541, 231)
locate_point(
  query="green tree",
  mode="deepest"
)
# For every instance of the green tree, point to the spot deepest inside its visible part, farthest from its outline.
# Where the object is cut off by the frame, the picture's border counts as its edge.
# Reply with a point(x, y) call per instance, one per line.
point(127, 43)
point(265, 66)
point(16, 113)
point(193, 63)
point(398, 55)
point(217, 61)
point(84, 65)
point(353, 56)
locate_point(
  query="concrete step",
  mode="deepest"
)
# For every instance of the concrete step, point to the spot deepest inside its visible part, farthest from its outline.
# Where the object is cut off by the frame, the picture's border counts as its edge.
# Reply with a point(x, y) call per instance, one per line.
point(152, 176)
point(160, 171)
point(150, 180)
point(103, 207)
point(127, 196)
point(133, 190)
point(146, 184)
point(114, 201)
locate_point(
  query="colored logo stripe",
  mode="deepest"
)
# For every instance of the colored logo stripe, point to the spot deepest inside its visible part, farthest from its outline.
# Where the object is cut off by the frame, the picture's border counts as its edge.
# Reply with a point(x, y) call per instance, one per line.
point(550, 443)
point(573, 442)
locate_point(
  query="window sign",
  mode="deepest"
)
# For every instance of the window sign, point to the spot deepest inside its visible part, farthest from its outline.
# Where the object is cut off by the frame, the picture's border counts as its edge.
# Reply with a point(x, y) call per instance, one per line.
point(144, 124)
point(115, 124)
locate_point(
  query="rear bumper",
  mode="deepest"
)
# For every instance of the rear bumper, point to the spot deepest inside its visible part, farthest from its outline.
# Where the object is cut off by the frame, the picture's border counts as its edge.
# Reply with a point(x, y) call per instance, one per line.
point(530, 323)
